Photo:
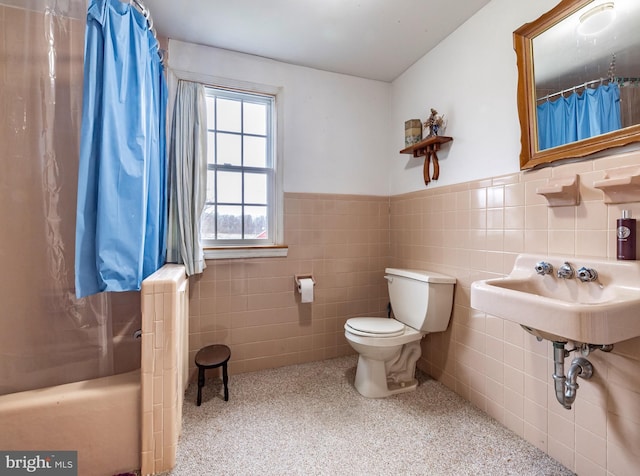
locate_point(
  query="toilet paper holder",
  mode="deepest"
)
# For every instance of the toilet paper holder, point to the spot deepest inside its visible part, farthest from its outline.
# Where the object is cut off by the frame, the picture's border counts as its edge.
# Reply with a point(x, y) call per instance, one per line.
point(298, 277)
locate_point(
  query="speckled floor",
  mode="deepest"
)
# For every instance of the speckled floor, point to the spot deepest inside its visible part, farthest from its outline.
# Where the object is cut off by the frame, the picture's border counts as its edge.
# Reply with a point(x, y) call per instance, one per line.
point(309, 420)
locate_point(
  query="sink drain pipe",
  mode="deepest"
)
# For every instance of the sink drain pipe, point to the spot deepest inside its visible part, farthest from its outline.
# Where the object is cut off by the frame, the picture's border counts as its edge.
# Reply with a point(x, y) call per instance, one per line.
point(567, 387)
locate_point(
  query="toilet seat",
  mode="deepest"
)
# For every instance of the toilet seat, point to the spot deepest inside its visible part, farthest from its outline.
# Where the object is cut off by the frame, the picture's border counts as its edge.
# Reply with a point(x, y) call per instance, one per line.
point(374, 327)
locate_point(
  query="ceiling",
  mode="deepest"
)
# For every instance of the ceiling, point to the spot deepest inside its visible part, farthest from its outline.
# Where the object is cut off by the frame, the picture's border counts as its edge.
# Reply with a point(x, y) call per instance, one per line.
point(374, 39)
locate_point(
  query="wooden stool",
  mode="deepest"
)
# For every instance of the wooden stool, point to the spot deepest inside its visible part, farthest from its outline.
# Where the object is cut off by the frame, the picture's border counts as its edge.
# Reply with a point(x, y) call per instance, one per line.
point(211, 357)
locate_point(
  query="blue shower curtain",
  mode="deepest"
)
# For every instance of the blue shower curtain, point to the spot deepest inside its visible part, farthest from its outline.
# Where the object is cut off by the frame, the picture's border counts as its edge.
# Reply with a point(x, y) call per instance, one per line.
point(122, 204)
point(579, 116)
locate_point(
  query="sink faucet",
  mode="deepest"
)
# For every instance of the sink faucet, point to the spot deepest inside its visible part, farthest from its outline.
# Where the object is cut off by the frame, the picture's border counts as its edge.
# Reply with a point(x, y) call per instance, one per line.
point(565, 271)
point(542, 268)
point(587, 274)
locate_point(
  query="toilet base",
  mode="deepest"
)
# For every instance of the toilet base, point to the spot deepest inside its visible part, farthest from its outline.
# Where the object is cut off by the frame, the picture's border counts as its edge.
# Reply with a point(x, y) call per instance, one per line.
point(371, 380)
point(402, 387)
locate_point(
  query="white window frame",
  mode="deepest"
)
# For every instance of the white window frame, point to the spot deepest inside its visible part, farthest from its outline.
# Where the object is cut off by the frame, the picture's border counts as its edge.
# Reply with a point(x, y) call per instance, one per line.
point(277, 248)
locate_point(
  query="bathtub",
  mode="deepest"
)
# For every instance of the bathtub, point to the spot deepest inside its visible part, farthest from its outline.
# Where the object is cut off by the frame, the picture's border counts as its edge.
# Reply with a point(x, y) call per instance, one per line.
point(99, 418)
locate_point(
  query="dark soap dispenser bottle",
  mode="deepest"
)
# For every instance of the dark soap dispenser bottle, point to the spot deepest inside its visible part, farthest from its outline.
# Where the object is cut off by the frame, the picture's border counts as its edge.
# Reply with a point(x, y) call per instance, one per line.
point(626, 234)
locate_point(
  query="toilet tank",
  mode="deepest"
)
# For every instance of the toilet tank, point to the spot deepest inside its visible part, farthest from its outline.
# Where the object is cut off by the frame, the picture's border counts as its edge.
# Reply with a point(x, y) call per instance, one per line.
point(421, 299)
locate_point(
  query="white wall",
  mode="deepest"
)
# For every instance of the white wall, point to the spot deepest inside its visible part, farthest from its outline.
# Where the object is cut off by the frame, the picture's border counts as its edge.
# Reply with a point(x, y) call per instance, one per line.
point(336, 127)
point(342, 134)
point(471, 78)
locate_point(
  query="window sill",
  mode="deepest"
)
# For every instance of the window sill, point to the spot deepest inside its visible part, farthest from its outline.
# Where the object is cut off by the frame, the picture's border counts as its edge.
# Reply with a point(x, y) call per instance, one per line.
point(237, 252)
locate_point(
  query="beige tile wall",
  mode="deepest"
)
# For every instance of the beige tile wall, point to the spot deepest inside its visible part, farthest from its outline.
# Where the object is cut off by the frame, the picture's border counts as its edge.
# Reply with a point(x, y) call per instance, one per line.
point(163, 366)
point(39, 141)
point(471, 231)
point(252, 305)
point(474, 231)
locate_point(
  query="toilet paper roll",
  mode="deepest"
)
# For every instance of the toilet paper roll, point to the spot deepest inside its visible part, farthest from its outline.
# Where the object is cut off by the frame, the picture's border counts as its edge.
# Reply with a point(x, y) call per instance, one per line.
point(306, 289)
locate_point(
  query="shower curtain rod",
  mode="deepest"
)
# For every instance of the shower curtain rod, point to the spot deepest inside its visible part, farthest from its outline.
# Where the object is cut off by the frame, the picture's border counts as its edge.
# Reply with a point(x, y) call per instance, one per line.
point(147, 15)
point(588, 83)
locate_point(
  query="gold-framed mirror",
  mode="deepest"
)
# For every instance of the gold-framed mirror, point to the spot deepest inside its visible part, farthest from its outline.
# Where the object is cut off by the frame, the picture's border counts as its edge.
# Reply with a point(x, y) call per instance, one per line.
point(577, 50)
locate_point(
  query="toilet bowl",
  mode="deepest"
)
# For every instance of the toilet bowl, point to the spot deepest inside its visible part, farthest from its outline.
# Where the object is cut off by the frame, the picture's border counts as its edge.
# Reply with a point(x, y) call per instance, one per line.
point(389, 348)
point(379, 350)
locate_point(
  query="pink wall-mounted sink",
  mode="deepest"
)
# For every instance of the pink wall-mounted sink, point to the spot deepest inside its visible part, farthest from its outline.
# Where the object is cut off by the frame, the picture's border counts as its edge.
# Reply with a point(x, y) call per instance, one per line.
point(593, 310)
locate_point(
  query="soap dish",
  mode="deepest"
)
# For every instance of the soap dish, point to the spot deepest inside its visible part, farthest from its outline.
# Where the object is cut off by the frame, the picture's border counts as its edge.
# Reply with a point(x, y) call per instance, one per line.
point(562, 191)
point(620, 185)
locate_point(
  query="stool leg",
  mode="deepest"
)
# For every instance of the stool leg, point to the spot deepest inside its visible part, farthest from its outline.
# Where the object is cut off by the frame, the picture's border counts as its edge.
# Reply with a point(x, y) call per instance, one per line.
point(200, 385)
point(225, 381)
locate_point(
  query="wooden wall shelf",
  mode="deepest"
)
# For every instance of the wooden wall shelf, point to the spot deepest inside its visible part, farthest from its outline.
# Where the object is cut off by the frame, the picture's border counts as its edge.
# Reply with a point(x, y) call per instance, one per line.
point(428, 148)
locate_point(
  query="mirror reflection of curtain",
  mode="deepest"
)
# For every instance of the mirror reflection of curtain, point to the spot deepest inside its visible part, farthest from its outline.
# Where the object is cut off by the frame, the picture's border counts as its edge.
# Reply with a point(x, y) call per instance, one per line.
point(630, 104)
point(579, 116)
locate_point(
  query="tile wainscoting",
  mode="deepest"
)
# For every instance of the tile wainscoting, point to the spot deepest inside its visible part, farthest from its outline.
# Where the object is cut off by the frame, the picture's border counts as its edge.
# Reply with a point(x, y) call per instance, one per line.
point(470, 231)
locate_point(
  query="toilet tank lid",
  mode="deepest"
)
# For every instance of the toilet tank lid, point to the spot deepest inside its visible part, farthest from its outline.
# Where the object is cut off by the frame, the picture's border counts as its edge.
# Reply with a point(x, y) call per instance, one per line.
point(421, 275)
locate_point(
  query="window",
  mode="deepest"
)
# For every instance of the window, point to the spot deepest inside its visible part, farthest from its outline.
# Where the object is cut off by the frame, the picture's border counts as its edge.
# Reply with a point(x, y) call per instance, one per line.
point(241, 202)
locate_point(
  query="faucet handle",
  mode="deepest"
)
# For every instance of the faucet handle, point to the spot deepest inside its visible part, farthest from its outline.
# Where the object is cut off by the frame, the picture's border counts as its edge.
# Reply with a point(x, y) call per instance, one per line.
point(587, 274)
point(542, 268)
point(565, 271)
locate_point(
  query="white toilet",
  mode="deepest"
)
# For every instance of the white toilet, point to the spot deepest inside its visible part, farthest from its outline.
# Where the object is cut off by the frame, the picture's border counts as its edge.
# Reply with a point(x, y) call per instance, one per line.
point(389, 348)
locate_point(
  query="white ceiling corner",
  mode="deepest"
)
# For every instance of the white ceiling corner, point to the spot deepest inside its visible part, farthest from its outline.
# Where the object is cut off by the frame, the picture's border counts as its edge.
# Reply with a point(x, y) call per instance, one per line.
point(374, 39)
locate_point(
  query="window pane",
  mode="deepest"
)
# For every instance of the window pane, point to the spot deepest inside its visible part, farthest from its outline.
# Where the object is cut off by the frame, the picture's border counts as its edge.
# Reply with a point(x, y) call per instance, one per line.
point(255, 118)
point(240, 176)
point(255, 223)
point(229, 223)
point(229, 187)
point(255, 188)
point(208, 223)
point(211, 147)
point(255, 151)
point(228, 149)
point(228, 115)
point(211, 186)
point(211, 112)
